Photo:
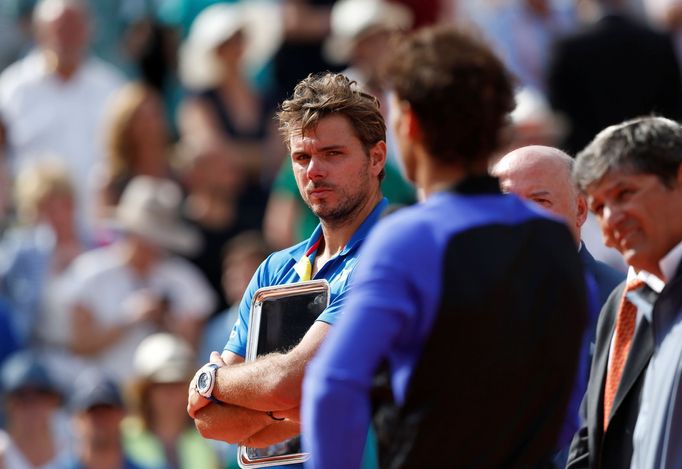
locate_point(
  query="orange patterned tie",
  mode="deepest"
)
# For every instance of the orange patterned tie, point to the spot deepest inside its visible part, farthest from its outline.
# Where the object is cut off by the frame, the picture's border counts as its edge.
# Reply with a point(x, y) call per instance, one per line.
point(622, 339)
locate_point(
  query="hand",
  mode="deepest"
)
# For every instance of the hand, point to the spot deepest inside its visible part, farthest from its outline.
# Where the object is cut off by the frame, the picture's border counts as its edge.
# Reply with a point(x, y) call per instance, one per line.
point(145, 305)
point(196, 401)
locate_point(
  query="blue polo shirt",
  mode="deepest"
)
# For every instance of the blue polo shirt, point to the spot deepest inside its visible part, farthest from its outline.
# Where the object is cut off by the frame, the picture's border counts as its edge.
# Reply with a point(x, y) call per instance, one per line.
point(278, 269)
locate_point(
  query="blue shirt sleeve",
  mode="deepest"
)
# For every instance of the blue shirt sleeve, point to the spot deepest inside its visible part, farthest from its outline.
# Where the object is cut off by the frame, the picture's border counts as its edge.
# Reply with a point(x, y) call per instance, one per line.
point(381, 314)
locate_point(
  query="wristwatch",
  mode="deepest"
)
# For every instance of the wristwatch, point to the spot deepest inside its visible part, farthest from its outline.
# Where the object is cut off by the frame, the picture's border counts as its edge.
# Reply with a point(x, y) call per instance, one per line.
point(206, 380)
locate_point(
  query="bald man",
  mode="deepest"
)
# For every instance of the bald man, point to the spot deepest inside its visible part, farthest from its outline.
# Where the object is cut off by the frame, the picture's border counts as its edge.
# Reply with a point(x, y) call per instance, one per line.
point(543, 175)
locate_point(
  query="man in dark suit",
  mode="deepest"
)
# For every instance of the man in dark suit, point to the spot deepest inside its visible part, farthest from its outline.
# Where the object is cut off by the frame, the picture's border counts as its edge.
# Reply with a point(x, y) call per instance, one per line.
point(543, 175)
point(631, 174)
point(613, 70)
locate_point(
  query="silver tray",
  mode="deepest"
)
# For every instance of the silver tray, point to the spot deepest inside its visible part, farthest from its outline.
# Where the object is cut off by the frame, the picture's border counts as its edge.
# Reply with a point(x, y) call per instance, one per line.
point(280, 317)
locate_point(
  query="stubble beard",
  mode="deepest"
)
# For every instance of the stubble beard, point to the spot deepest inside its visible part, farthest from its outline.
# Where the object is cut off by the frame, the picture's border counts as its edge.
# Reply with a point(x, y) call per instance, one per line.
point(346, 209)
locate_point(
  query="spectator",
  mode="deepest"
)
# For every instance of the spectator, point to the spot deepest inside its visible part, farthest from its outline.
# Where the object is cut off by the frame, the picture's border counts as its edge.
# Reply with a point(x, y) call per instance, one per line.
point(241, 257)
point(36, 256)
point(138, 143)
point(215, 206)
point(98, 410)
point(52, 102)
point(225, 107)
point(133, 288)
point(31, 400)
point(614, 69)
point(162, 435)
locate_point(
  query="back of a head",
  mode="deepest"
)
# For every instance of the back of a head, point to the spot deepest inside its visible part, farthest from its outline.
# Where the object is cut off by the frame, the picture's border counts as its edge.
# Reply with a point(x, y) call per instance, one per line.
point(458, 89)
point(319, 96)
point(649, 145)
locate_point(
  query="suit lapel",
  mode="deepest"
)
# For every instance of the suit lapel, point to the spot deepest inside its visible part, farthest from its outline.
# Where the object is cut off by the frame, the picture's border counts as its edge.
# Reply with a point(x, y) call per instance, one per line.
point(598, 373)
point(643, 343)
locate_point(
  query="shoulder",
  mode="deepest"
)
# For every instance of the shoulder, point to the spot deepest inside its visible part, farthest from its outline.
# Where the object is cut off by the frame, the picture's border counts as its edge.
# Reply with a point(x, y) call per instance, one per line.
point(103, 73)
point(19, 74)
point(95, 264)
point(605, 274)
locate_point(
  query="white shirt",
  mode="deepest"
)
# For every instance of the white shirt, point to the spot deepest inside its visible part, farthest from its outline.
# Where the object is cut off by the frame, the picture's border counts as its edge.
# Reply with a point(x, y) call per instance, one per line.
point(105, 284)
point(47, 117)
point(656, 438)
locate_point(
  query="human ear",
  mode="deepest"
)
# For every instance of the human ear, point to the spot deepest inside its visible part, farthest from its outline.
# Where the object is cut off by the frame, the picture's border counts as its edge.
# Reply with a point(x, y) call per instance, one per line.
point(377, 157)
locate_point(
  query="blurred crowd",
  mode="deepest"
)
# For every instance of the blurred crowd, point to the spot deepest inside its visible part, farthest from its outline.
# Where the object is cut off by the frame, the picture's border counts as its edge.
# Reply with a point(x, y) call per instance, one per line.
point(143, 180)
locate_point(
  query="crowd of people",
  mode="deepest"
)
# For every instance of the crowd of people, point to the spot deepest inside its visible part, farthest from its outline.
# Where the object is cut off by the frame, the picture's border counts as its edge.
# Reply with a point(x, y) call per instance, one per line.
point(162, 160)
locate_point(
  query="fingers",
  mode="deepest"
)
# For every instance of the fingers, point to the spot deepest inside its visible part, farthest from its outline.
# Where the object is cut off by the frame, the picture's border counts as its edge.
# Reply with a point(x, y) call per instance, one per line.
point(195, 402)
point(216, 358)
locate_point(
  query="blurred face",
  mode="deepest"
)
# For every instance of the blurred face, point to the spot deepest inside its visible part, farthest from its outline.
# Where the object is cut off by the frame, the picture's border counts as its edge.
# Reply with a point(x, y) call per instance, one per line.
point(230, 52)
point(58, 210)
point(334, 173)
point(399, 122)
point(545, 181)
point(237, 274)
point(638, 215)
point(32, 408)
point(148, 125)
point(168, 397)
point(100, 424)
point(65, 32)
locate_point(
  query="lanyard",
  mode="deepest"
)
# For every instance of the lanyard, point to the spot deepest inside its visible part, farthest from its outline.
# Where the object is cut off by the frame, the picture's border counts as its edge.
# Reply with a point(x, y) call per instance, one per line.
point(304, 267)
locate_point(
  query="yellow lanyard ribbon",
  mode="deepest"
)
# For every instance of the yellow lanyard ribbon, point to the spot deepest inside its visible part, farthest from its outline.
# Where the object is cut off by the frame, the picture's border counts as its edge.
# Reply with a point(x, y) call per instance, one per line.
point(304, 268)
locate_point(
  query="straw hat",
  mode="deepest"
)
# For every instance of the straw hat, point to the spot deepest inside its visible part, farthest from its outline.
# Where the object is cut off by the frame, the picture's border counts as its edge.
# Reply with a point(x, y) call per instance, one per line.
point(350, 19)
point(149, 207)
point(259, 20)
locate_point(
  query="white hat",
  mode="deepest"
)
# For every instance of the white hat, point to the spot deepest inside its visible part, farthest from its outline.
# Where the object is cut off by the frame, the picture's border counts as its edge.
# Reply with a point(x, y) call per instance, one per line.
point(150, 207)
point(259, 20)
point(352, 18)
point(164, 358)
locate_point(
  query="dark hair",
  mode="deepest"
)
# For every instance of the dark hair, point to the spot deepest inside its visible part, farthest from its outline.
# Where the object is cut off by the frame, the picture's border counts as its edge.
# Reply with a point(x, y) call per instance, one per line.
point(318, 96)
point(650, 145)
point(459, 90)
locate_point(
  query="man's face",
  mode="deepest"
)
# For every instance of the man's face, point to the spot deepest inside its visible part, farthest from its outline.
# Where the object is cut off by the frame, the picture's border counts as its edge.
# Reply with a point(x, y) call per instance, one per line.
point(638, 215)
point(66, 33)
point(545, 181)
point(334, 173)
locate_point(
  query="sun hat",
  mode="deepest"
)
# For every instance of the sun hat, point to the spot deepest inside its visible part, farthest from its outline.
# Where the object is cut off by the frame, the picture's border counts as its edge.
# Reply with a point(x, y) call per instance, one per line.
point(150, 207)
point(260, 22)
point(351, 19)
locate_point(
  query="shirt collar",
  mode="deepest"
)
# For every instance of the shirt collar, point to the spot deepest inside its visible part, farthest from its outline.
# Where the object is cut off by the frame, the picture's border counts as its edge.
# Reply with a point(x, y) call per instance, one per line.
point(670, 262)
point(655, 283)
point(668, 265)
point(359, 235)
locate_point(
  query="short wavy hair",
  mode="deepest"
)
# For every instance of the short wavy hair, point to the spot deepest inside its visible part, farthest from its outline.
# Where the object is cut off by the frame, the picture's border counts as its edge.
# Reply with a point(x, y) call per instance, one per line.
point(458, 89)
point(321, 95)
point(649, 145)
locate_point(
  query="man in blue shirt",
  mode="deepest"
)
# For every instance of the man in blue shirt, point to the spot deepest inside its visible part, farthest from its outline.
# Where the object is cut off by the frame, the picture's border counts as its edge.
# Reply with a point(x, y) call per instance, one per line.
point(474, 301)
point(336, 137)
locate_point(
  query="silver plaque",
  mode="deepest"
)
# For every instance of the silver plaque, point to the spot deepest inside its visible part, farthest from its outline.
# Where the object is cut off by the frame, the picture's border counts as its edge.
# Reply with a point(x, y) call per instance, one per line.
point(280, 317)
